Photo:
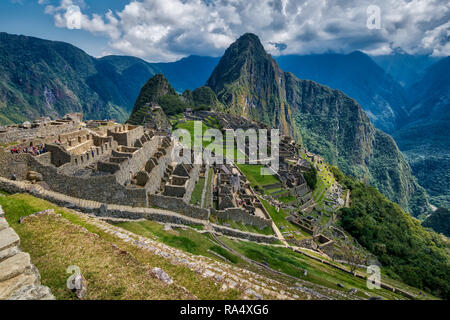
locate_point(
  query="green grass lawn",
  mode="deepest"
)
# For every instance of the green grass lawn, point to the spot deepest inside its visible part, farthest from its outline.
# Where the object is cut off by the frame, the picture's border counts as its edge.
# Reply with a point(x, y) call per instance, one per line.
point(253, 173)
point(196, 197)
point(219, 149)
point(54, 243)
point(294, 264)
point(208, 192)
point(279, 218)
point(186, 240)
point(241, 226)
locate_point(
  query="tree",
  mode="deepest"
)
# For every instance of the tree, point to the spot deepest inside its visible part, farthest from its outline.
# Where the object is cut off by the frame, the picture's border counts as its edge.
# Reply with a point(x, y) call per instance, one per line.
point(351, 255)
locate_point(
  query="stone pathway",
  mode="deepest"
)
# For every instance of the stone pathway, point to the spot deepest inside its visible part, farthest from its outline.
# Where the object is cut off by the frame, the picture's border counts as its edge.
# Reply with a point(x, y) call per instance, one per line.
point(19, 279)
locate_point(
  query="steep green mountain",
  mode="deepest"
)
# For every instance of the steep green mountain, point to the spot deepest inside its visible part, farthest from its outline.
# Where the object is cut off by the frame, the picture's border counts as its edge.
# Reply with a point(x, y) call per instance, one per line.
point(156, 90)
point(405, 249)
point(202, 98)
point(439, 221)
point(159, 90)
point(249, 83)
point(425, 138)
point(40, 77)
point(359, 77)
point(406, 69)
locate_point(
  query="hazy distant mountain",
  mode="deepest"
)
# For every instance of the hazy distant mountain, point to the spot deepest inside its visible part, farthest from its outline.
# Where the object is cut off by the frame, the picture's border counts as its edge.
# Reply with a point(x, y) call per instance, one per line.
point(188, 73)
point(425, 138)
point(250, 83)
point(358, 76)
point(406, 69)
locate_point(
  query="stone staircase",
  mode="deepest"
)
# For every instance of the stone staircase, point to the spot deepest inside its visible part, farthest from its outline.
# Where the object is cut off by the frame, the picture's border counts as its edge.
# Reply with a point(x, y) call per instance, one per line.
point(19, 279)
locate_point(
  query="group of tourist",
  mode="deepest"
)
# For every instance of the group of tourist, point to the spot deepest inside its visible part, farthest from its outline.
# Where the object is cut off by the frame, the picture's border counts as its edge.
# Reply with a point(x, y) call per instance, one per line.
point(35, 151)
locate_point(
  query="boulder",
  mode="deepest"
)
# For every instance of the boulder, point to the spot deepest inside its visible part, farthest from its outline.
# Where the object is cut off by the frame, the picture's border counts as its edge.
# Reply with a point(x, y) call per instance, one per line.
point(142, 178)
point(8, 238)
point(32, 292)
point(78, 285)
point(162, 275)
point(34, 176)
point(14, 266)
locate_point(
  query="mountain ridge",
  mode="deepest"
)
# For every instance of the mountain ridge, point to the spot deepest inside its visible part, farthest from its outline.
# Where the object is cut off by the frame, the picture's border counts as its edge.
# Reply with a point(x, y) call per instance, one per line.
point(249, 83)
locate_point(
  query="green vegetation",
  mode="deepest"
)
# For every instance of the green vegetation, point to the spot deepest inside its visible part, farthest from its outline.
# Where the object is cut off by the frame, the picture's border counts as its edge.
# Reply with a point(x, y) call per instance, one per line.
point(240, 226)
point(311, 177)
point(294, 264)
point(287, 199)
point(208, 191)
point(279, 218)
point(113, 268)
point(196, 197)
point(406, 250)
point(253, 174)
point(439, 221)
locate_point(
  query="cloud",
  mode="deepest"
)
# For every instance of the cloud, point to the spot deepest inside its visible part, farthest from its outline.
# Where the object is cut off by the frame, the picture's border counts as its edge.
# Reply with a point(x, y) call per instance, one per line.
point(165, 30)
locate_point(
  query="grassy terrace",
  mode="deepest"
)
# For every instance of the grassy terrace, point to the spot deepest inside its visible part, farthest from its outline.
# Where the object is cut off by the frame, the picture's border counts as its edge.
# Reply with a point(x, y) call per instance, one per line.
point(324, 181)
point(208, 192)
point(240, 226)
point(196, 197)
point(294, 264)
point(254, 176)
point(219, 149)
point(279, 218)
point(55, 243)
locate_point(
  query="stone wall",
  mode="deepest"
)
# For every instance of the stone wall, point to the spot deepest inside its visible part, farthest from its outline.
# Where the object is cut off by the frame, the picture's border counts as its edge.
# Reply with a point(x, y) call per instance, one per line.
point(98, 188)
point(178, 205)
point(239, 215)
point(193, 178)
point(137, 162)
point(157, 173)
point(126, 135)
point(51, 130)
point(19, 279)
point(244, 235)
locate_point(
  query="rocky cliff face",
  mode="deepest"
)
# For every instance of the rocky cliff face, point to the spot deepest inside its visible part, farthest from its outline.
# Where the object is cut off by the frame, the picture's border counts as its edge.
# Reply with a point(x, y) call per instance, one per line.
point(249, 83)
point(359, 77)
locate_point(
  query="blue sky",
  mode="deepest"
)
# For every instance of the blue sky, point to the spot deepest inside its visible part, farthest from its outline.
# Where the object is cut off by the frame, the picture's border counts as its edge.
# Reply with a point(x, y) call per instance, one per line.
point(167, 30)
point(28, 17)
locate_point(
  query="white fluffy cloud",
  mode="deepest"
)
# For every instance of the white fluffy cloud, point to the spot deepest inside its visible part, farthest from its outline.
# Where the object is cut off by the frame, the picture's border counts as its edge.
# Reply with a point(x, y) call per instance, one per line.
point(165, 30)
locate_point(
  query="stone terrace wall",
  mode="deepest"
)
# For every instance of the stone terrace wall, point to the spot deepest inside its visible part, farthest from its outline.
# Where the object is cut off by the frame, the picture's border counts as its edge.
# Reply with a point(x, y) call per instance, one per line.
point(178, 205)
point(157, 173)
point(244, 235)
point(137, 162)
point(47, 130)
point(125, 212)
point(193, 178)
point(240, 215)
point(97, 188)
point(19, 279)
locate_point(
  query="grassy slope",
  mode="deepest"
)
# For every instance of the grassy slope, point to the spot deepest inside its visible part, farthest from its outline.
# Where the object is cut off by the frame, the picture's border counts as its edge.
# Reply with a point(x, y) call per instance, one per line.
point(113, 275)
point(55, 244)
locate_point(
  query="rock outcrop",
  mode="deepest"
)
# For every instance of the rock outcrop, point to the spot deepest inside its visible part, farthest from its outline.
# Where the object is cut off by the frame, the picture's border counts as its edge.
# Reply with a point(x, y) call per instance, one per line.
point(19, 278)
